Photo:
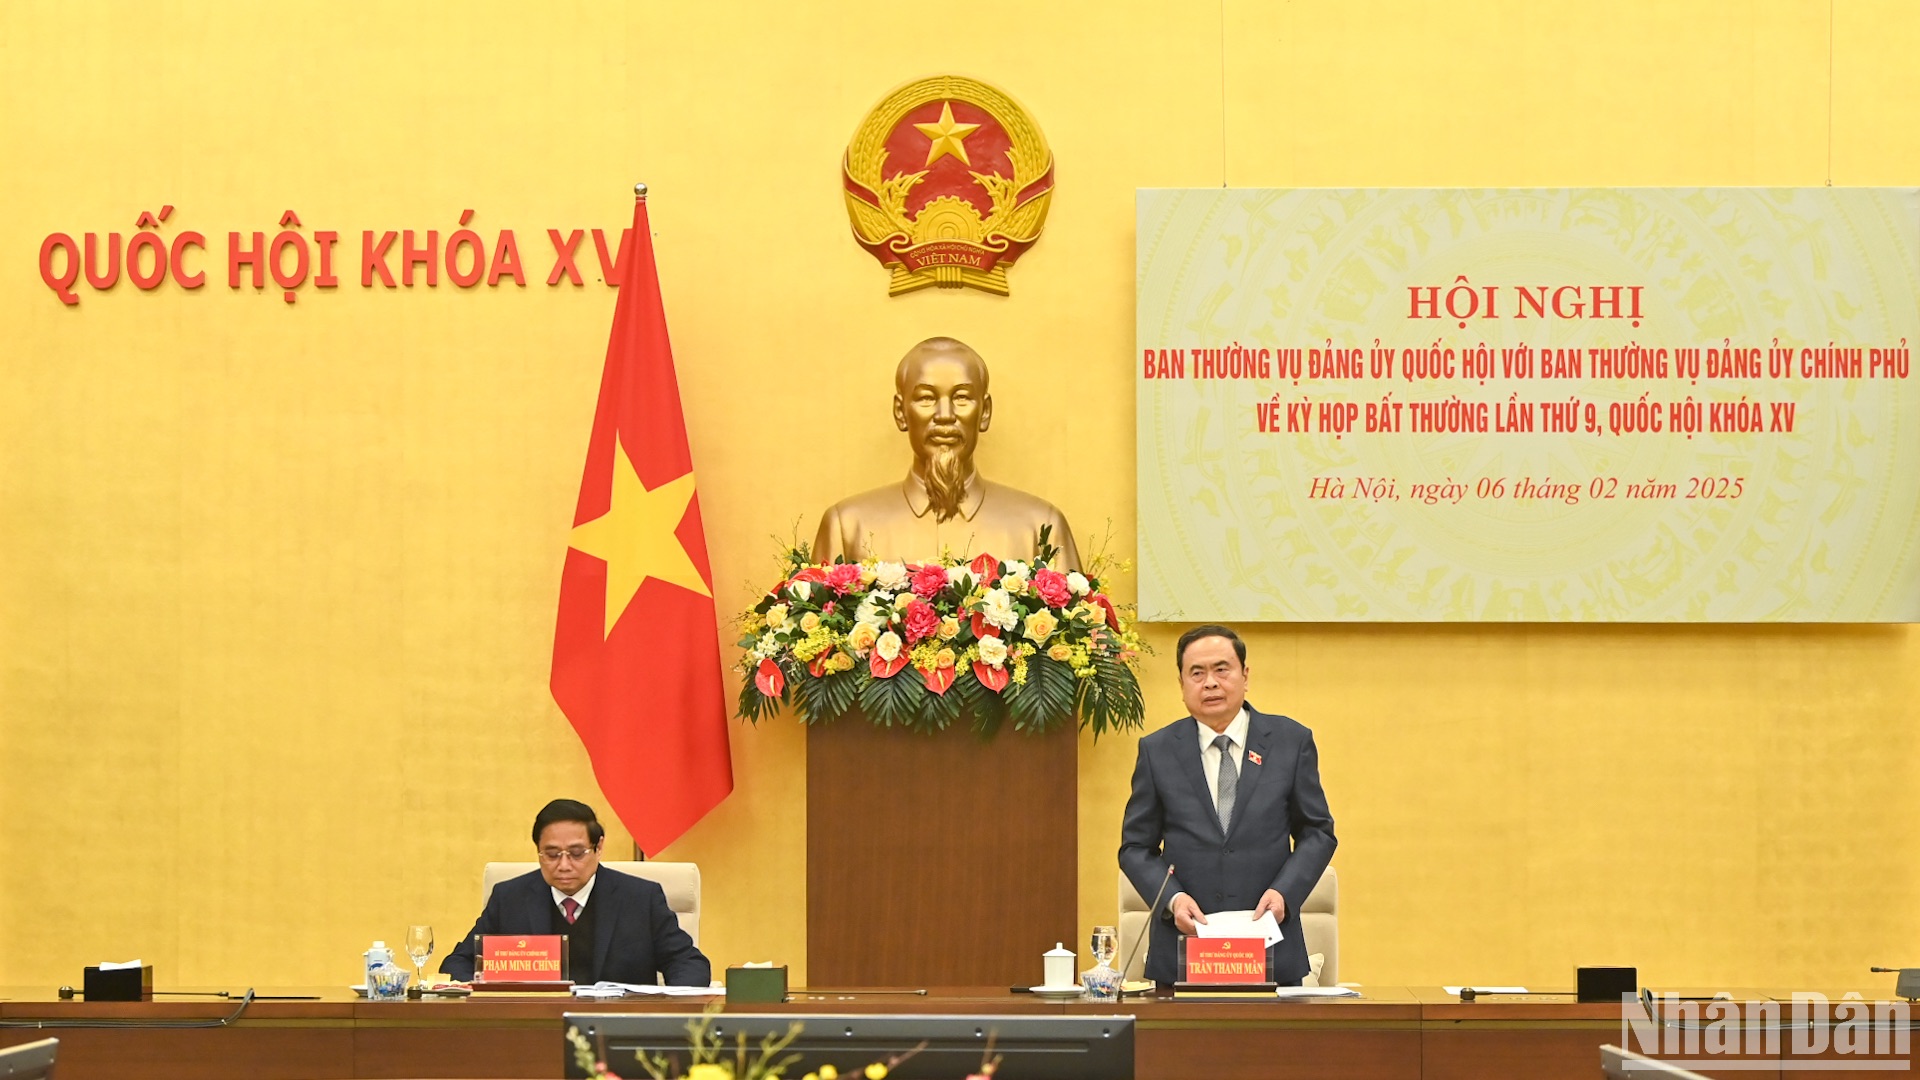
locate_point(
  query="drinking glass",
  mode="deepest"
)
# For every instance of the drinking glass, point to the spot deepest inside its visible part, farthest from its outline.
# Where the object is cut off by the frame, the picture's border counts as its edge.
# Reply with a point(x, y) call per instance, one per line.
point(1105, 940)
point(419, 945)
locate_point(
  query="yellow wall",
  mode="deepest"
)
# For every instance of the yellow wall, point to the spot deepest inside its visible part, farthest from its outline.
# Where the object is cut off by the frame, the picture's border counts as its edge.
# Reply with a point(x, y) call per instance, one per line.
point(277, 582)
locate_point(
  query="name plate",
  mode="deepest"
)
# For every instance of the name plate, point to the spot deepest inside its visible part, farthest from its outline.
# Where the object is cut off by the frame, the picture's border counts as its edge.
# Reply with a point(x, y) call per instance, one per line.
point(1226, 960)
point(522, 958)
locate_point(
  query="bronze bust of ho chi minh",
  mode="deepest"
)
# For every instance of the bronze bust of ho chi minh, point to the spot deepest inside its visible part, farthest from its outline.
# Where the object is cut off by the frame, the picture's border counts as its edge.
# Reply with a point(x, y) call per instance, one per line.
point(944, 505)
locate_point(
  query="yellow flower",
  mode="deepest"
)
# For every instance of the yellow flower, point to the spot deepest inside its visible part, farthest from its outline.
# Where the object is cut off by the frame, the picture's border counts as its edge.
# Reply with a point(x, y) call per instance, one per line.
point(944, 658)
point(863, 636)
point(901, 602)
point(1041, 624)
point(923, 655)
point(828, 1072)
point(708, 1071)
point(777, 617)
point(876, 1071)
point(1060, 652)
point(809, 622)
point(842, 662)
point(949, 628)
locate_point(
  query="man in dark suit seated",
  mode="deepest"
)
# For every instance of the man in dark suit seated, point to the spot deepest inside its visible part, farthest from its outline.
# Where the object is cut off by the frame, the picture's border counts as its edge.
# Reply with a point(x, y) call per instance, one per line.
point(1230, 797)
point(619, 927)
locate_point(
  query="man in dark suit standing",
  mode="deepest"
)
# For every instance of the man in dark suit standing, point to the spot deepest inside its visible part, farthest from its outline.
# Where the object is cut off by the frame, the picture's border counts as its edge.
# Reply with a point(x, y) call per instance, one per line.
point(619, 927)
point(1230, 799)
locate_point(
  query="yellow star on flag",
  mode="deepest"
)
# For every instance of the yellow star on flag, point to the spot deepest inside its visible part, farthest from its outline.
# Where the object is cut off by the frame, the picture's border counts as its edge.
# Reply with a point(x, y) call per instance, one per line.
point(946, 136)
point(635, 537)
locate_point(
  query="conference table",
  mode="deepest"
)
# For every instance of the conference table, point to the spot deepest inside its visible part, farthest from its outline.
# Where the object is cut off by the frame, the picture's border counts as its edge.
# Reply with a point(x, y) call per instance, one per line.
point(1390, 1033)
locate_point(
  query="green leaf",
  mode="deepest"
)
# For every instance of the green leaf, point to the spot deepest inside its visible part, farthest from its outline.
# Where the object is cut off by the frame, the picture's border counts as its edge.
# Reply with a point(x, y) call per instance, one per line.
point(1045, 700)
point(985, 709)
point(753, 705)
point(1044, 551)
point(824, 698)
point(894, 702)
point(939, 711)
point(1111, 700)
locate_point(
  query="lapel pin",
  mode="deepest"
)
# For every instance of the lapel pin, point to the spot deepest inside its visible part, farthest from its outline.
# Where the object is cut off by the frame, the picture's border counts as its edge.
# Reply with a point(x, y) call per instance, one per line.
point(1253, 757)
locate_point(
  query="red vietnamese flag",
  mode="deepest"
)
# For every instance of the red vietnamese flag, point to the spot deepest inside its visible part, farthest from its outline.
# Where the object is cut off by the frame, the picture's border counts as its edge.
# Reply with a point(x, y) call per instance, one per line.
point(636, 651)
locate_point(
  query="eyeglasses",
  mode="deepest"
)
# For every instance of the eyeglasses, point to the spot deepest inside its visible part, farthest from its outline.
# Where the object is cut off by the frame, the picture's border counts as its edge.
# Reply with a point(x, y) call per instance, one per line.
point(554, 855)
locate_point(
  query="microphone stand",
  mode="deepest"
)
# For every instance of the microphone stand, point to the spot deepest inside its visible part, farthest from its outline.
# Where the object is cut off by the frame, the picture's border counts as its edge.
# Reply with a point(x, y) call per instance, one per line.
point(1153, 910)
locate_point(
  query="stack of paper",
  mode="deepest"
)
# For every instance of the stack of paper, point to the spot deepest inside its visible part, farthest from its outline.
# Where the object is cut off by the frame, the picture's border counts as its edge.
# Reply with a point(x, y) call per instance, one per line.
point(1240, 924)
point(1291, 992)
point(614, 990)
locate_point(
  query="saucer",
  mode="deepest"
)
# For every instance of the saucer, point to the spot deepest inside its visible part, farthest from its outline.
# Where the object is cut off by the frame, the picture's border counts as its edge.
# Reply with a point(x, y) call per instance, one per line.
point(1055, 993)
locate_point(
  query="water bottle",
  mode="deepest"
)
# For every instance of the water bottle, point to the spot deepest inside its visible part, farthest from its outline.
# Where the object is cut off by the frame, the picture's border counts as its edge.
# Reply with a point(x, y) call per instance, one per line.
point(375, 957)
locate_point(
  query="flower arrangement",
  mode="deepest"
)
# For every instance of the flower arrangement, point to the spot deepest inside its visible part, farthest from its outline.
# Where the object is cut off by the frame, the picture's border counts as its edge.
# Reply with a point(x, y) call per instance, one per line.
point(918, 645)
point(769, 1059)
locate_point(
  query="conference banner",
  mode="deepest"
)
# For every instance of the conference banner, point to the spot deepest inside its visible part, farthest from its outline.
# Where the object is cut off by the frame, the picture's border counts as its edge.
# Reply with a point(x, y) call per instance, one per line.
point(1552, 405)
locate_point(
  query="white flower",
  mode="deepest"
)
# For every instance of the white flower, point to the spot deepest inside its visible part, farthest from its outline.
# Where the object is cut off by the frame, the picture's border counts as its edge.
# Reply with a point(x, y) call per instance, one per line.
point(888, 646)
point(997, 608)
point(993, 651)
point(777, 617)
point(1077, 583)
point(955, 573)
point(1016, 568)
point(891, 576)
point(870, 609)
point(800, 590)
point(767, 646)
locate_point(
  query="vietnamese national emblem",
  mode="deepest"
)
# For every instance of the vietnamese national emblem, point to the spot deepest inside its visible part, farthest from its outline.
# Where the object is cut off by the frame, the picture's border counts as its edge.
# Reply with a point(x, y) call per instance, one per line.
point(947, 182)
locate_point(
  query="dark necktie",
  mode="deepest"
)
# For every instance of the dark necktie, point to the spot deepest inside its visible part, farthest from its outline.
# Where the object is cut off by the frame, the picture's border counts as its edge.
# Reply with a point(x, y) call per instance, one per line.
point(571, 908)
point(1229, 782)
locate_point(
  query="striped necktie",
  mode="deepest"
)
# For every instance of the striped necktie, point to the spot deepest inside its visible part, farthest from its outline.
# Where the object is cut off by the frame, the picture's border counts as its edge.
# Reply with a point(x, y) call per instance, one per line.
point(1229, 782)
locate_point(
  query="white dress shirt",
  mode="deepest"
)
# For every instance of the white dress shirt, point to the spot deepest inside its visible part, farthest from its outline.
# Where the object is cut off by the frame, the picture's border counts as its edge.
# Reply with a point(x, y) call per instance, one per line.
point(1210, 755)
point(578, 897)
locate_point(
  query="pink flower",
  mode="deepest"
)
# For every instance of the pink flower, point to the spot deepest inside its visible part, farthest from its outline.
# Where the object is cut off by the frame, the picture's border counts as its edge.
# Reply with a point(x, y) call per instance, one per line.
point(1052, 587)
point(929, 579)
point(922, 622)
point(842, 577)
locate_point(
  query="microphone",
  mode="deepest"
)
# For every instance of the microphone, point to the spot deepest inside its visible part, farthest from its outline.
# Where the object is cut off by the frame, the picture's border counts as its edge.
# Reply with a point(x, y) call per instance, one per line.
point(1907, 983)
point(1153, 911)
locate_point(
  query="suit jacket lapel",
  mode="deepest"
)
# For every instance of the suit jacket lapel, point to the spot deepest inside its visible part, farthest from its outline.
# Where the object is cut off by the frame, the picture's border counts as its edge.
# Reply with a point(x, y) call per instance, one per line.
point(1186, 751)
point(1251, 772)
point(539, 906)
point(603, 919)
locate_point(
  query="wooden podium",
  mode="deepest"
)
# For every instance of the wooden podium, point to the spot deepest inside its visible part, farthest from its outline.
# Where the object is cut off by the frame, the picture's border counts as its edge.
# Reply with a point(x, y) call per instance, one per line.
point(938, 860)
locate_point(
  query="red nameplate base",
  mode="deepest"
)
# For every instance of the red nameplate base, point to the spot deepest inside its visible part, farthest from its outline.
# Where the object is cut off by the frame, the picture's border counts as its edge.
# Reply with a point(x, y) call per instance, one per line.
point(1226, 960)
point(522, 962)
